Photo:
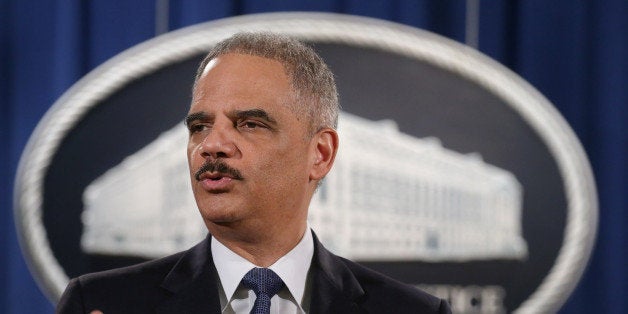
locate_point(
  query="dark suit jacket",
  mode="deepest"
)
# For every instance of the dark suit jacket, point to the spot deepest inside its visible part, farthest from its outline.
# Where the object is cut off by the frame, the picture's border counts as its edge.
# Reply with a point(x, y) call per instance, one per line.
point(187, 282)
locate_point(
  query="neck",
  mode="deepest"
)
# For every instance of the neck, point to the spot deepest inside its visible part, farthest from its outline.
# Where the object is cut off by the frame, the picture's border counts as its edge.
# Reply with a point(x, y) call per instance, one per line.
point(260, 248)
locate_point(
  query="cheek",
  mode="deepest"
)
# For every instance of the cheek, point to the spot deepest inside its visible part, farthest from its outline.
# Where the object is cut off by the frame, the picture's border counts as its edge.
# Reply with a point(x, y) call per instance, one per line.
point(274, 166)
point(194, 160)
point(192, 152)
point(292, 163)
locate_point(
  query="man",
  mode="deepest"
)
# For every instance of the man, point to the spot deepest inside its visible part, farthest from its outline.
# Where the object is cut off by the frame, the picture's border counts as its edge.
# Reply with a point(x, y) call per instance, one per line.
point(262, 137)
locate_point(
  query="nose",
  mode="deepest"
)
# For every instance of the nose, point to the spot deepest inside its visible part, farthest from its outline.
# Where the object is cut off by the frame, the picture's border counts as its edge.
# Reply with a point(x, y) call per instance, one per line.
point(218, 143)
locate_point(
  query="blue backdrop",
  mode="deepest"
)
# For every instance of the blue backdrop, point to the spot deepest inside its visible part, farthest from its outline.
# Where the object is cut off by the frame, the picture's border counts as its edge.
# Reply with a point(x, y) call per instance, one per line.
point(574, 52)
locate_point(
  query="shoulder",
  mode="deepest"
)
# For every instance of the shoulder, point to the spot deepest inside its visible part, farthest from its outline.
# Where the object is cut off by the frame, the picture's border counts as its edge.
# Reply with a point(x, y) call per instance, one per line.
point(118, 290)
point(151, 273)
point(372, 291)
point(384, 293)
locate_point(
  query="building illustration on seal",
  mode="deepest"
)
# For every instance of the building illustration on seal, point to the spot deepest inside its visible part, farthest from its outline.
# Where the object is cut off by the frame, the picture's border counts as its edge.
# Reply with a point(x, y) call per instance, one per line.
point(390, 196)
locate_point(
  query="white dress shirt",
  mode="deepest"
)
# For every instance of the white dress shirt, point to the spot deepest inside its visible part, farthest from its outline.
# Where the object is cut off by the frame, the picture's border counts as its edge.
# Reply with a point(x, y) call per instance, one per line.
point(292, 268)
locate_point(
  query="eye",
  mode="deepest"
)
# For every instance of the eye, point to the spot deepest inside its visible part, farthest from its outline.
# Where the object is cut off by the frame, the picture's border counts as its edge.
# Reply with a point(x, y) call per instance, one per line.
point(196, 127)
point(250, 124)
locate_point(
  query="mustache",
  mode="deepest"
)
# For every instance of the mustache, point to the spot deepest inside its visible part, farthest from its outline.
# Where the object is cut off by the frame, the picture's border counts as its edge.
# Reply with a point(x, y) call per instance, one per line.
point(217, 166)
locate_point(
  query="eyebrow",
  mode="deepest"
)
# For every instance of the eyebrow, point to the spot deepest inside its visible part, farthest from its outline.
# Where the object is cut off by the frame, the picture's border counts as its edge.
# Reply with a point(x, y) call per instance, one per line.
point(196, 116)
point(256, 113)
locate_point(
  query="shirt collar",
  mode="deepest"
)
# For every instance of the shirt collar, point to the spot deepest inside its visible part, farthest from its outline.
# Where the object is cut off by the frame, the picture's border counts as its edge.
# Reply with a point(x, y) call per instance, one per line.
point(292, 268)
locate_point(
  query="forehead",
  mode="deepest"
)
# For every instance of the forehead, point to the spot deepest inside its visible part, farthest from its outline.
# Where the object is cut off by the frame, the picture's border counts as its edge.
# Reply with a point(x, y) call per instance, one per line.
point(237, 74)
point(238, 68)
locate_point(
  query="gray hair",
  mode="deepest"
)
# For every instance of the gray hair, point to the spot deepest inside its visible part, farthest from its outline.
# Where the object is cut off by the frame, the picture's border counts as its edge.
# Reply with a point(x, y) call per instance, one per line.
point(312, 80)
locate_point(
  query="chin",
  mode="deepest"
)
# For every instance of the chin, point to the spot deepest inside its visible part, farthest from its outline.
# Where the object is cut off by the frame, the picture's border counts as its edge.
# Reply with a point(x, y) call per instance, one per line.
point(219, 213)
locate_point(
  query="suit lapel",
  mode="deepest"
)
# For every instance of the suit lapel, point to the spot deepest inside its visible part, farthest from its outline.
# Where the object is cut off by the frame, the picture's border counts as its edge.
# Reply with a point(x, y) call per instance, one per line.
point(193, 283)
point(334, 288)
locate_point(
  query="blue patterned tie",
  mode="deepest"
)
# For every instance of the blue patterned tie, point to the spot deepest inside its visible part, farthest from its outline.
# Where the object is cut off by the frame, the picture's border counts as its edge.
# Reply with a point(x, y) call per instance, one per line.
point(265, 283)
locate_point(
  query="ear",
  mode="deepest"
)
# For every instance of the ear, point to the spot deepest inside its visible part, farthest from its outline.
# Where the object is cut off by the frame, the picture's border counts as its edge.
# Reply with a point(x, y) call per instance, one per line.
point(324, 148)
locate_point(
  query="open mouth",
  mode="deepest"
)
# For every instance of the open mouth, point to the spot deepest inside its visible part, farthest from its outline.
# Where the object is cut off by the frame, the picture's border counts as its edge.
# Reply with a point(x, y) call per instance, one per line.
point(215, 176)
point(216, 182)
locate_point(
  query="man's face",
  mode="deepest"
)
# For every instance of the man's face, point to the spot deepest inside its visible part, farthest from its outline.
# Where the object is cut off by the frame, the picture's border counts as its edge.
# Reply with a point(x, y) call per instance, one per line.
point(249, 155)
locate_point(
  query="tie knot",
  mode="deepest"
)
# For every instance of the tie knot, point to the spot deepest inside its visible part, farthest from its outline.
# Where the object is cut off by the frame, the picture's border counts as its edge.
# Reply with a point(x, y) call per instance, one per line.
point(262, 281)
